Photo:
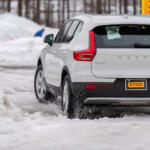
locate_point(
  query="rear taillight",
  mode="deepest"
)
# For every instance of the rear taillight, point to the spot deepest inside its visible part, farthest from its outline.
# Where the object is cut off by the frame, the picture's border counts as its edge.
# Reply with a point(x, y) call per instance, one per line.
point(88, 54)
point(94, 86)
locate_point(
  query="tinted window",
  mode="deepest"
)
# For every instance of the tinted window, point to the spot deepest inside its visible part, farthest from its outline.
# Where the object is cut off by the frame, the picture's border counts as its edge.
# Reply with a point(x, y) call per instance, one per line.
point(71, 31)
point(123, 36)
point(78, 29)
point(62, 33)
point(59, 34)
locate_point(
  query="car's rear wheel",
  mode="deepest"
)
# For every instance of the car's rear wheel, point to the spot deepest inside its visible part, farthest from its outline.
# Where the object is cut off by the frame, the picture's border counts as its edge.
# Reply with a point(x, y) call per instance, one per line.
point(40, 88)
point(71, 105)
point(66, 97)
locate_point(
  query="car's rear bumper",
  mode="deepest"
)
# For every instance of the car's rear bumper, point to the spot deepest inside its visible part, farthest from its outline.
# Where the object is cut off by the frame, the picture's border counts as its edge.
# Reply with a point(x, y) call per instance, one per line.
point(115, 94)
point(117, 101)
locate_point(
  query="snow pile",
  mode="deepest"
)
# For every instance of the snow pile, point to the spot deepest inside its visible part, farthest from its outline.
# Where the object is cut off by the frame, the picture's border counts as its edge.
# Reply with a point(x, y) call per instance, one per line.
point(21, 52)
point(12, 26)
point(18, 47)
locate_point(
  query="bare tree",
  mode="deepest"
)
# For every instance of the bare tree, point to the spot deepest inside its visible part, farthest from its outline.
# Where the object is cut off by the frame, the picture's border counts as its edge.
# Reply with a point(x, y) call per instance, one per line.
point(58, 12)
point(20, 7)
point(99, 7)
point(74, 7)
point(134, 7)
point(27, 8)
point(33, 10)
point(51, 14)
point(104, 5)
point(68, 9)
point(63, 11)
point(3, 5)
point(85, 6)
point(120, 6)
point(38, 11)
point(47, 10)
point(92, 6)
point(109, 7)
point(126, 6)
point(8, 5)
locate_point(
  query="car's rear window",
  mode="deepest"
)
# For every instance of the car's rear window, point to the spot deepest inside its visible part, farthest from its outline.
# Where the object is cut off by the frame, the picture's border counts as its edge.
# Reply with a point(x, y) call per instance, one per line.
point(122, 36)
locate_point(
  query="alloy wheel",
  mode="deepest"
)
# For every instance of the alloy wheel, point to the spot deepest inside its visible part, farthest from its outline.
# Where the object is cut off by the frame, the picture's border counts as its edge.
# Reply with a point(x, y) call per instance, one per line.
point(65, 98)
point(40, 85)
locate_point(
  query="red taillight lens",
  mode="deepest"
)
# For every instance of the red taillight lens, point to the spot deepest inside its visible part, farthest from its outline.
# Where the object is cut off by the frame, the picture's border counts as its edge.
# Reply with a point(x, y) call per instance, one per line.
point(88, 54)
point(94, 86)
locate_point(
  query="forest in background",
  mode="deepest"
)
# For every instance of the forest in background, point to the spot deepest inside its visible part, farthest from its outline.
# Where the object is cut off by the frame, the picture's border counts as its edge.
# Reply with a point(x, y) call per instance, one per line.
point(54, 12)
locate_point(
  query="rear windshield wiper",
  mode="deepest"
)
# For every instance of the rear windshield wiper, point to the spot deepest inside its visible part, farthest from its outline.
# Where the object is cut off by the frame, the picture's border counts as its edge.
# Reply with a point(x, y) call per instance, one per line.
point(137, 45)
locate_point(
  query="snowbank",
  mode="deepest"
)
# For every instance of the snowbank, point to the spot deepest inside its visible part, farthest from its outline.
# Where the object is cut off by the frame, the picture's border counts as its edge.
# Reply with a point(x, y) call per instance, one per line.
point(21, 52)
point(12, 27)
point(18, 47)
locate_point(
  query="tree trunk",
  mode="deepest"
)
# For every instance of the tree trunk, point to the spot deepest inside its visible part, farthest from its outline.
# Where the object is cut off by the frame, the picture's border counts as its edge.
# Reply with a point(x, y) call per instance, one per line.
point(3, 5)
point(9, 5)
point(92, 6)
point(104, 5)
point(109, 7)
point(120, 6)
point(126, 6)
point(68, 9)
point(74, 7)
point(51, 14)
point(99, 7)
point(116, 6)
point(47, 9)
point(134, 7)
point(20, 7)
point(85, 6)
point(38, 11)
point(34, 10)
point(63, 11)
point(27, 8)
point(58, 12)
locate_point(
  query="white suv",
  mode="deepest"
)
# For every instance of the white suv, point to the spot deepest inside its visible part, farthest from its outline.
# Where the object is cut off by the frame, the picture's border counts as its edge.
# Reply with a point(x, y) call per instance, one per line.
point(96, 60)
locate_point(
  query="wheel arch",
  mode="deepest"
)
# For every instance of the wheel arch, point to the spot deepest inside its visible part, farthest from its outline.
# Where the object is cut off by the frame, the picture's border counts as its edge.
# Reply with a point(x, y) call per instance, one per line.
point(65, 72)
point(39, 62)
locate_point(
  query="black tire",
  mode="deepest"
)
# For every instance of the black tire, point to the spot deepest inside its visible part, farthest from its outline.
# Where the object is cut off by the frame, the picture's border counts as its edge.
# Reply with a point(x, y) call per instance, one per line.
point(75, 107)
point(47, 95)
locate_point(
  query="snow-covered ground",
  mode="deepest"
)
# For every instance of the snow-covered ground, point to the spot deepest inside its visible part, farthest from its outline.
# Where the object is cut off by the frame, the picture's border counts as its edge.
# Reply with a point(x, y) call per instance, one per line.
point(27, 125)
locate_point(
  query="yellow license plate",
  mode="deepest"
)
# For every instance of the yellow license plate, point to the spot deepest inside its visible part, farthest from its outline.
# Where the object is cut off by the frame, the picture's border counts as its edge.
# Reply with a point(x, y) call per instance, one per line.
point(136, 84)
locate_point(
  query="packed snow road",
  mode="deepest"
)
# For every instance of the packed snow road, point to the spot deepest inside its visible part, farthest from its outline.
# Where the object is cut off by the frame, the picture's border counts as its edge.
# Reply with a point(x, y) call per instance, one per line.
point(25, 124)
